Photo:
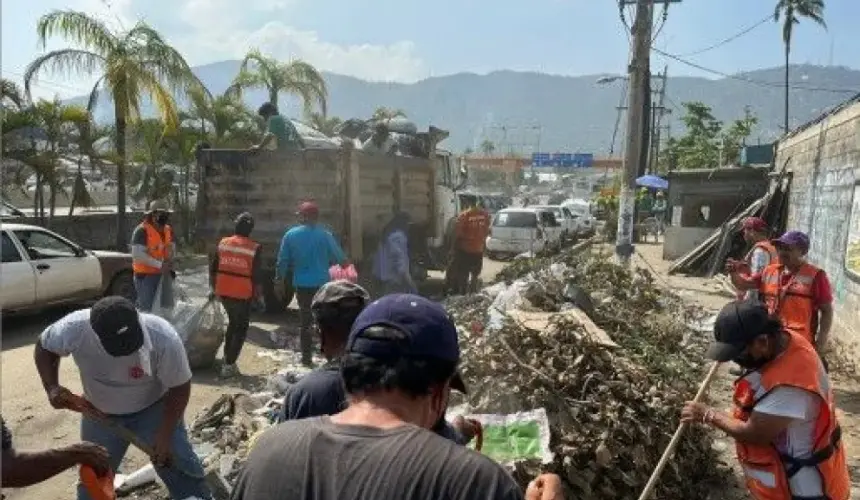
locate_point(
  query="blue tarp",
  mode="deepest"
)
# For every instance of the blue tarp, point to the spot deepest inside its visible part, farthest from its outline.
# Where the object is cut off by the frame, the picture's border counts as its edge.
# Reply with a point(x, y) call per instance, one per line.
point(653, 182)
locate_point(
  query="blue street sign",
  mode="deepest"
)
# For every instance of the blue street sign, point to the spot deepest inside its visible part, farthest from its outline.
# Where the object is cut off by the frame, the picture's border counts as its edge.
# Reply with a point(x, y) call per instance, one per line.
point(563, 160)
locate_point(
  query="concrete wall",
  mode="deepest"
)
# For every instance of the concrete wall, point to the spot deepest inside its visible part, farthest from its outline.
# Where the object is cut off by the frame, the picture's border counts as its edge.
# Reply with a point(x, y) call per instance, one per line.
point(679, 240)
point(824, 160)
point(92, 231)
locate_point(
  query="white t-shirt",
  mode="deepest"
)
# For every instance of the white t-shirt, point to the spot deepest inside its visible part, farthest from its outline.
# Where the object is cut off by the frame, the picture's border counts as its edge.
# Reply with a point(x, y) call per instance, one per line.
point(798, 440)
point(759, 260)
point(120, 385)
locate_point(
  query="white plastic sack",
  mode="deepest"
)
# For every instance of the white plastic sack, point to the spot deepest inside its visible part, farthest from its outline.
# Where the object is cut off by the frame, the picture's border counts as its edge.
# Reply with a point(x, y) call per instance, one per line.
point(202, 326)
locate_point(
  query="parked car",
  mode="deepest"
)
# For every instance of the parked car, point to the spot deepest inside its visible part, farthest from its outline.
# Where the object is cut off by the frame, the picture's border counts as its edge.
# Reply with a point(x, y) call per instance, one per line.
point(41, 269)
point(582, 211)
point(570, 223)
point(520, 230)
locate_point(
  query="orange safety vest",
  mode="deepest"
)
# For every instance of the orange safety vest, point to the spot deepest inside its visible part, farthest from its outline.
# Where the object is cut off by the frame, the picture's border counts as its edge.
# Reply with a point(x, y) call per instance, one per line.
point(793, 303)
point(767, 471)
point(157, 245)
point(773, 258)
point(234, 278)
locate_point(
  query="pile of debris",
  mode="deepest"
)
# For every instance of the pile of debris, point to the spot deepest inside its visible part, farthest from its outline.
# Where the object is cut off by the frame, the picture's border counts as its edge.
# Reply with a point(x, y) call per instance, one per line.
point(611, 359)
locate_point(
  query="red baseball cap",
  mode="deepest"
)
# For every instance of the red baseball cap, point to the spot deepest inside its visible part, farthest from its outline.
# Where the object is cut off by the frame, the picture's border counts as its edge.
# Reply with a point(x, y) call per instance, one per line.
point(309, 208)
point(755, 224)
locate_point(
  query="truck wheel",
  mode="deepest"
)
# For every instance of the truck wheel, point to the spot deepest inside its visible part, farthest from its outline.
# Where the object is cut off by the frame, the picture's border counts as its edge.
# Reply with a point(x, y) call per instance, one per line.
point(122, 284)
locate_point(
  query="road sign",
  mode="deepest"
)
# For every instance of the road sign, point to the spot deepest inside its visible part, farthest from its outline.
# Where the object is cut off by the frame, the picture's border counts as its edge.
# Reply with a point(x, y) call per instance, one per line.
point(563, 160)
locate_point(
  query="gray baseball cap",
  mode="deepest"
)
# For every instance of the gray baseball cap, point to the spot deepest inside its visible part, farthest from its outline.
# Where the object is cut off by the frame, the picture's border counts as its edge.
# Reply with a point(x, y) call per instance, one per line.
point(336, 291)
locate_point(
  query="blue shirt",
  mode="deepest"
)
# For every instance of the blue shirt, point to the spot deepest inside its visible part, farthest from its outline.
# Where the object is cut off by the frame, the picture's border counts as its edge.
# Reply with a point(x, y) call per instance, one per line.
point(309, 251)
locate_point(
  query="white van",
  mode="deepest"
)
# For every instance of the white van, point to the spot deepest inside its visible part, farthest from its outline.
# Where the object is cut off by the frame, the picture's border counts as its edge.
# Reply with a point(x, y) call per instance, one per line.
point(520, 230)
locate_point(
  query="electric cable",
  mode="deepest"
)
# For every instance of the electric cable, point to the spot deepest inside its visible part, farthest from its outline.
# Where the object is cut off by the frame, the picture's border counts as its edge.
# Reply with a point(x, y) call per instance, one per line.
point(729, 39)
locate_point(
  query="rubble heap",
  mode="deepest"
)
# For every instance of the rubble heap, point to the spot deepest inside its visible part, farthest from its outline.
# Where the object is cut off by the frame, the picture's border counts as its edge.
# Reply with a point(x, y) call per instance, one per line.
point(613, 402)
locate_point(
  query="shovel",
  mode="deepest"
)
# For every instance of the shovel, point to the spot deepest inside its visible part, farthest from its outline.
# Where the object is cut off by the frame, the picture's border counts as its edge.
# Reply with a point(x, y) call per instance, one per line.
point(83, 406)
point(652, 481)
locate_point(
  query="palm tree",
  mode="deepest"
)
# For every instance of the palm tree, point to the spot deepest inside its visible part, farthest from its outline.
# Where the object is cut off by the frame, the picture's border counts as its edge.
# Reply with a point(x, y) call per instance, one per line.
point(128, 64)
point(11, 92)
point(87, 140)
point(295, 77)
point(326, 124)
point(223, 118)
point(791, 12)
point(385, 114)
point(487, 147)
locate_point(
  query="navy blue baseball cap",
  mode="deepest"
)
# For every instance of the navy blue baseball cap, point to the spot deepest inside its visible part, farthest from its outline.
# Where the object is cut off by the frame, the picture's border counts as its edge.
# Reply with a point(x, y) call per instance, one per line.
point(429, 331)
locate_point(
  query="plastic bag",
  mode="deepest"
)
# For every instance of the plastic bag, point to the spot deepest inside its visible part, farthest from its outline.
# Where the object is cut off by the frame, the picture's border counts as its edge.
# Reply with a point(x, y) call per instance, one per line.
point(348, 273)
point(163, 304)
point(202, 328)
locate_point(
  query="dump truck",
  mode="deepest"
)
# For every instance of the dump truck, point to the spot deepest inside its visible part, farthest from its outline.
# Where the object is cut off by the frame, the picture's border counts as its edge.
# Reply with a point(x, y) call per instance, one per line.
point(357, 192)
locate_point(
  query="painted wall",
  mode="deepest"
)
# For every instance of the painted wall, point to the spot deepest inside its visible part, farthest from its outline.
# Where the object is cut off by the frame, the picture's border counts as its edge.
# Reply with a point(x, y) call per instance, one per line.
point(824, 160)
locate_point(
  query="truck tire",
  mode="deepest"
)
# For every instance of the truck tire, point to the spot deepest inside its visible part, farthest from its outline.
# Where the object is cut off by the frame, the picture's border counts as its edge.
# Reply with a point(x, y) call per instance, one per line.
point(122, 284)
point(277, 303)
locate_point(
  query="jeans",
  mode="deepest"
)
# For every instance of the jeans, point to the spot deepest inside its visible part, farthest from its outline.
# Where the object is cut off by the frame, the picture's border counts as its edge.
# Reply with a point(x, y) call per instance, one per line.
point(304, 297)
point(238, 320)
point(145, 424)
point(146, 286)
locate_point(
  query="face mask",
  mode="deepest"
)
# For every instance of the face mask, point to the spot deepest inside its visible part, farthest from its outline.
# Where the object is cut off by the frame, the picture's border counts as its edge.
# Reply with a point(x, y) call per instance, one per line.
point(162, 219)
point(750, 363)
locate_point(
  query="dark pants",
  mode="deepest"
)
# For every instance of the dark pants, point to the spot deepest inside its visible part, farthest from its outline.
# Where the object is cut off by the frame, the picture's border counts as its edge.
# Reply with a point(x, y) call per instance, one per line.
point(463, 271)
point(238, 320)
point(304, 296)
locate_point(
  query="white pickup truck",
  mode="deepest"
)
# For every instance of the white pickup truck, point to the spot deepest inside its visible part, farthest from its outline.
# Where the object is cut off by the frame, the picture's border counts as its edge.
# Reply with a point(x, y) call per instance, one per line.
point(41, 269)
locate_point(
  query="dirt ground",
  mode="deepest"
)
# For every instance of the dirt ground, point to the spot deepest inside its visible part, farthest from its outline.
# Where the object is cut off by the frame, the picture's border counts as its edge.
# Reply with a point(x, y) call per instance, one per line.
point(35, 425)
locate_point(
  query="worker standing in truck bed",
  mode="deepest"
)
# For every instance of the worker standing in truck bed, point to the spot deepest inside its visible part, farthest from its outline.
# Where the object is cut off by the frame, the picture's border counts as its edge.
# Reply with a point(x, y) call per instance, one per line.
point(308, 250)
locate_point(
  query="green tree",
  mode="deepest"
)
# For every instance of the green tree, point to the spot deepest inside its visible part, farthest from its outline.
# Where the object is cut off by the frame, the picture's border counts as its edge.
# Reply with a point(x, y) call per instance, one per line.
point(488, 147)
point(698, 147)
point(128, 64)
point(468, 152)
point(224, 119)
point(735, 135)
point(295, 77)
point(326, 124)
point(10, 92)
point(87, 137)
point(791, 12)
point(384, 114)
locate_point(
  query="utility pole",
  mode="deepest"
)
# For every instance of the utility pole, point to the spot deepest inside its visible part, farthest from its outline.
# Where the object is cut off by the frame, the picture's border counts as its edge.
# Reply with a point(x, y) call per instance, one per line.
point(638, 101)
point(658, 111)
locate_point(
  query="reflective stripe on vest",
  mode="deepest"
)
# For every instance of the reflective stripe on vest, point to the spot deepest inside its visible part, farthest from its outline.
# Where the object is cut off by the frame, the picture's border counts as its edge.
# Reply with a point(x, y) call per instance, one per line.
point(157, 247)
point(234, 278)
point(792, 303)
point(768, 471)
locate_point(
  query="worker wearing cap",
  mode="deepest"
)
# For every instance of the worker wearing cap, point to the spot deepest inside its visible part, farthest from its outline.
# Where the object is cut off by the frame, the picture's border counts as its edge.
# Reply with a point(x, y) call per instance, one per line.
point(471, 229)
point(234, 276)
point(784, 421)
point(335, 307)
point(400, 358)
point(308, 250)
point(135, 373)
point(152, 252)
point(795, 291)
point(762, 254)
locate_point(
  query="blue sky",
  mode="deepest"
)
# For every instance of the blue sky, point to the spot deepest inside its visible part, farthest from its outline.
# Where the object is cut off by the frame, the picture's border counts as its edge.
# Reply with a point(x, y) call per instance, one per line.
point(407, 40)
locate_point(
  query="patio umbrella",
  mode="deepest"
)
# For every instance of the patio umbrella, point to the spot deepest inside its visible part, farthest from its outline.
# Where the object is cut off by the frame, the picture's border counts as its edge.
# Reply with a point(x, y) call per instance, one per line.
point(653, 182)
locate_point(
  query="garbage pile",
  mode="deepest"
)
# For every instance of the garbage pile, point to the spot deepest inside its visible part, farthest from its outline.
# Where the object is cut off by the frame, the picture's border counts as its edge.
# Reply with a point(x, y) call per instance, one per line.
point(608, 355)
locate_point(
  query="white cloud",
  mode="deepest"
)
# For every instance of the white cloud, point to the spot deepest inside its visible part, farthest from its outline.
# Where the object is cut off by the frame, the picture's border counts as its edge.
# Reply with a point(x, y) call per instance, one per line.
point(212, 30)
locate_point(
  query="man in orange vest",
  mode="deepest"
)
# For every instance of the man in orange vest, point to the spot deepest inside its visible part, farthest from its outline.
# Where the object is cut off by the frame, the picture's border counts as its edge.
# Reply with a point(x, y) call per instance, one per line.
point(152, 253)
point(234, 275)
point(784, 424)
point(793, 290)
point(762, 254)
point(470, 240)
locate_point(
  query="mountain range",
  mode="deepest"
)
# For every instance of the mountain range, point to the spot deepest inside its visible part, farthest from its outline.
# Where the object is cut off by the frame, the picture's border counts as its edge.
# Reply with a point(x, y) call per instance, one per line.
point(525, 112)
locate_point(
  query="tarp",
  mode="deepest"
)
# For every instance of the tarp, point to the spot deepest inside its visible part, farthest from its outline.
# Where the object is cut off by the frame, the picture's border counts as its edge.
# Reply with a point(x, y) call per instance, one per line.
point(653, 182)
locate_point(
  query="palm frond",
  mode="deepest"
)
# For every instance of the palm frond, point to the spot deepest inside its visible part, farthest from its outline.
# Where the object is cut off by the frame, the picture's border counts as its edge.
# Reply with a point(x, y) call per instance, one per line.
point(67, 61)
point(80, 28)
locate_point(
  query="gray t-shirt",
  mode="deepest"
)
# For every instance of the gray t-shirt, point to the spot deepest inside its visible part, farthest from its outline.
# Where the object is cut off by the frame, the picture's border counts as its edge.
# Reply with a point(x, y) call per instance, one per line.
point(119, 386)
point(315, 459)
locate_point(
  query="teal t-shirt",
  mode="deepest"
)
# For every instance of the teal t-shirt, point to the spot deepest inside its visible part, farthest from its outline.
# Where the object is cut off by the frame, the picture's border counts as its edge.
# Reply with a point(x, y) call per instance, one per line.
point(285, 132)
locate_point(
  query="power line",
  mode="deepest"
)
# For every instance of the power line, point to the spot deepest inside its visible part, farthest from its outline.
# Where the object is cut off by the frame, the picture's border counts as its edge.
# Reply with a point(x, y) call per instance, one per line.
point(729, 39)
point(750, 80)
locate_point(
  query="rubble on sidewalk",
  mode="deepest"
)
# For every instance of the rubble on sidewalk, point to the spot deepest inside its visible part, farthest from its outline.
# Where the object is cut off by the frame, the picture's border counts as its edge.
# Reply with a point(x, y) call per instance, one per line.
point(612, 376)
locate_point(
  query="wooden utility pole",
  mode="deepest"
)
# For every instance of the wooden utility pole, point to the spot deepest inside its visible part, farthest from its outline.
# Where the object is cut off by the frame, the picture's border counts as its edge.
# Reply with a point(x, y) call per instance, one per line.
point(638, 85)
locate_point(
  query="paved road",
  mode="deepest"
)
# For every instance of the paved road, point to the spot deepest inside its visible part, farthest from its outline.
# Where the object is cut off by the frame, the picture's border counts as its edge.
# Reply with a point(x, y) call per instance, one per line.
point(36, 425)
